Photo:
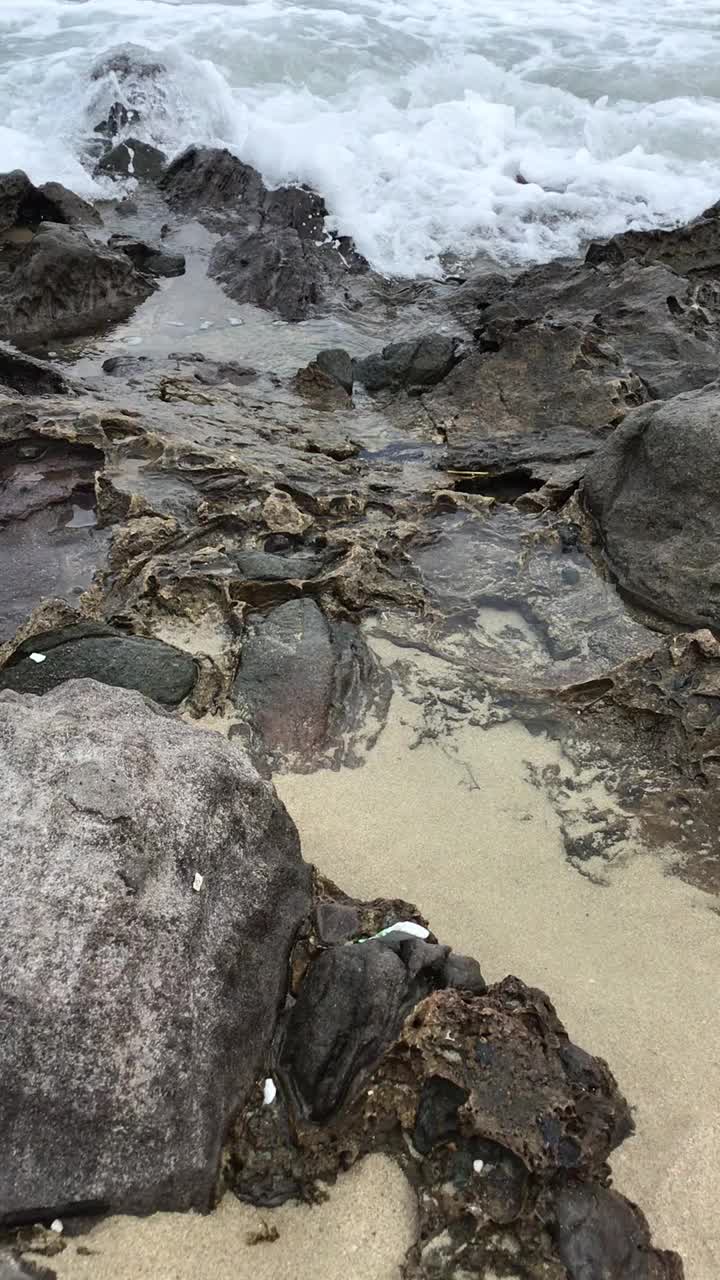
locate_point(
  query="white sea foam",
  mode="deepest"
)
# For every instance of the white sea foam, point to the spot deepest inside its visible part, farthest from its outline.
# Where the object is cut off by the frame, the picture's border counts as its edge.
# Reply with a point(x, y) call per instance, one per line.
point(413, 117)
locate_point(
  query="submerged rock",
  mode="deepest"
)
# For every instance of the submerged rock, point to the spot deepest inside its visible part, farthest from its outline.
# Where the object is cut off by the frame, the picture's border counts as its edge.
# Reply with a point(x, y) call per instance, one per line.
point(93, 651)
point(62, 283)
point(653, 490)
point(153, 885)
point(688, 249)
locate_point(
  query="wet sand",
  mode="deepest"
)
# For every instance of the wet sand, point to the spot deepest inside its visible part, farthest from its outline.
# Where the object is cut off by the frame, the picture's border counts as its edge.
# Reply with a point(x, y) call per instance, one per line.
point(363, 1230)
point(458, 827)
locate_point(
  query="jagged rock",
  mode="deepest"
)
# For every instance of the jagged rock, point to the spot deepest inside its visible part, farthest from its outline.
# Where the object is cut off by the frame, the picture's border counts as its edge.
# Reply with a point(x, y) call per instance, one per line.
point(128, 62)
point(422, 362)
point(152, 259)
point(62, 283)
point(602, 1236)
point(338, 365)
point(136, 1009)
point(133, 158)
point(321, 389)
point(277, 254)
point(27, 376)
point(213, 373)
point(544, 379)
point(117, 119)
point(277, 269)
point(689, 249)
point(93, 651)
point(653, 491)
point(303, 680)
point(664, 328)
point(24, 205)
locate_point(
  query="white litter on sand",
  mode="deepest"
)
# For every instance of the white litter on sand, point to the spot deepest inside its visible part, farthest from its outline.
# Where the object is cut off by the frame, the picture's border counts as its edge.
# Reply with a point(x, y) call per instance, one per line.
point(198, 882)
point(57, 1226)
point(405, 926)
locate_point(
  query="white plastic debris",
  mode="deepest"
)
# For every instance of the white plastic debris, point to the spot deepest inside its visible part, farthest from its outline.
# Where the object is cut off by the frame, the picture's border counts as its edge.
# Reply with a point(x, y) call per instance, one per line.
point(206, 324)
point(234, 320)
point(38, 657)
point(57, 1226)
point(478, 1165)
point(269, 1091)
point(198, 882)
point(405, 926)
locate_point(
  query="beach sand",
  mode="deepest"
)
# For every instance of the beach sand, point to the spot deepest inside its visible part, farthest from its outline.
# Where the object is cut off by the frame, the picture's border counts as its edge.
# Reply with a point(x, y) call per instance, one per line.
point(457, 825)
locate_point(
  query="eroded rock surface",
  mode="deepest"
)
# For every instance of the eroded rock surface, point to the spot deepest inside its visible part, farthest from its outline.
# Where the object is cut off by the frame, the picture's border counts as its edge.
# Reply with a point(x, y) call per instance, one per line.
point(136, 1002)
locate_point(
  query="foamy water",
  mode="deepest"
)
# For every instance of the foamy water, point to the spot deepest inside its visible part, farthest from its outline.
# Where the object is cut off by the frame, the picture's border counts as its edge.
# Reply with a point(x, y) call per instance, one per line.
point(412, 117)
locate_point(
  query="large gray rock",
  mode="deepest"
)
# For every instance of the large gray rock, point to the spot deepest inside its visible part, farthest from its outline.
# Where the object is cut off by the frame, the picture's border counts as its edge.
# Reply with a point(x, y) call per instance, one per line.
point(277, 270)
point(654, 491)
point(96, 652)
point(421, 362)
point(62, 283)
point(135, 1011)
point(24, 205)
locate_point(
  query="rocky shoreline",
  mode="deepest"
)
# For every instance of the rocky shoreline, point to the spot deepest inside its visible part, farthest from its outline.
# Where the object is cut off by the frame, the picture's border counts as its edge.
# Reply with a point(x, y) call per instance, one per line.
point(511, 475)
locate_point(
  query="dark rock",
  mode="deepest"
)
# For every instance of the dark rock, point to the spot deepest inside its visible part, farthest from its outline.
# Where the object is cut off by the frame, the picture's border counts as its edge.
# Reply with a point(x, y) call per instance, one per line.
point(134, 159)
point(68, 208)
point(14, 1269)
point(126, 366)
point(350, 1009)
point(422, 362)
point(336, 922)
point(320, 389)
point(653, 491)
point(62, 283)
point(118, 119)
point(24, 205)
point(95, 652)
point(128, 62)
point(136, 1012)
point(688, 249)
point(149, 258)
point(436, 1119)
point(338, 365)
point(266, 566)
point(602, 1236)
point(276, 269)
point(27, 376)
point(304, 681)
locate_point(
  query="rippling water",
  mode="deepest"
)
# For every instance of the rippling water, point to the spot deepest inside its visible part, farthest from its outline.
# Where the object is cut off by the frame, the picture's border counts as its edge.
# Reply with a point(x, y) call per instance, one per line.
point(413, 117)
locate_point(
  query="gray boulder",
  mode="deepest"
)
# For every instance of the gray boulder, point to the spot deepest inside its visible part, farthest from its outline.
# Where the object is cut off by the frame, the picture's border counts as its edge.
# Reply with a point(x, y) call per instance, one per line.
point(654, 492)
point(61, 283)
point(22, 204)
point(423, 362)
point(95, 652)
point(136, 1008)
point(133, 158)
point(277, 270)
point(28, 376)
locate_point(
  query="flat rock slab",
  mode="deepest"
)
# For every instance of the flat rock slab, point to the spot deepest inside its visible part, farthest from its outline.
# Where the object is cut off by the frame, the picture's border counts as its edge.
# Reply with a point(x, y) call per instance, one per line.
point(157, 670)
point(152, 888)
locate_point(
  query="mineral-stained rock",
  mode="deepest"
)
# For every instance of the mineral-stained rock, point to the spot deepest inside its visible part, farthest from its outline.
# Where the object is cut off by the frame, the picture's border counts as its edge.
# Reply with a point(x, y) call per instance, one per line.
point(62, 283)
point(152, 259)
point(653, 492)
point(95, 652)
point(28, 376)
point(501, 1123)
point(338, 365)
point(304, 680)
point(152, 886)
point(276, 269)
point(420, 363)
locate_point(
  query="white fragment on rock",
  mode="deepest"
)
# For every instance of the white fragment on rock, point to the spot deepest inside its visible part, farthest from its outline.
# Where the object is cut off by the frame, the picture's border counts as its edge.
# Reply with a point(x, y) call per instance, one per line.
point(269, 1091)
point(234, 320)
point(478, 1165)
point(38, 657)
point(405, 926)
point(206, 324)
point(56, 1226)
point(198, 882)
point(177, 324)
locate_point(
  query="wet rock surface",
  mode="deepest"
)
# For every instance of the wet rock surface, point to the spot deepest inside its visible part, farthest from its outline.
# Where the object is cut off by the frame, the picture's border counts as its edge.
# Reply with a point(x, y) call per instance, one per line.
point(419, 363)
point(62, 283)
point(24, 205)
point(152, 259)
point(95, 652)
point(135, 1023)
point(30, 377)
point(652, 491)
